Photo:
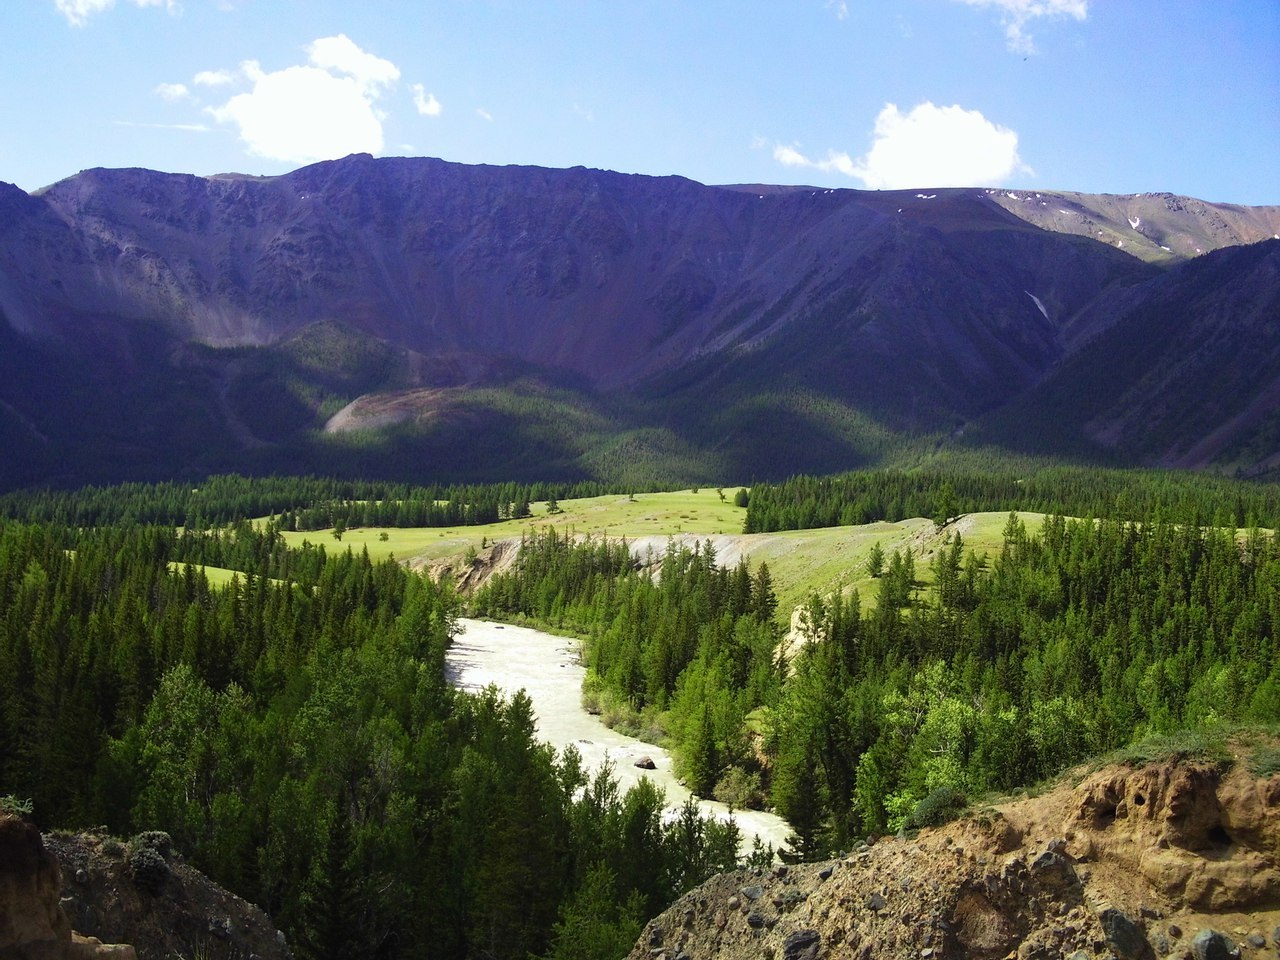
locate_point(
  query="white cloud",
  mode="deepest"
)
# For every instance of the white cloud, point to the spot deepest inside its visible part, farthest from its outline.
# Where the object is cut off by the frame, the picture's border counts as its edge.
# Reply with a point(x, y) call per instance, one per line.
point(930, 146)
point(318, 111)
point(1016, 14)
point(172, 91)
point(340, 55)
point(841, 7)
point(213, 78)
point(78, 12)
point(427, 104)
point(484, 114)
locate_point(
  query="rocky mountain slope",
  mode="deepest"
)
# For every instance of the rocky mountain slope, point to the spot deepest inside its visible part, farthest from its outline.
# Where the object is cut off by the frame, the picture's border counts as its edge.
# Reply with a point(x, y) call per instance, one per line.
point(61, 896)
point(1171, 859)
point(161, 323)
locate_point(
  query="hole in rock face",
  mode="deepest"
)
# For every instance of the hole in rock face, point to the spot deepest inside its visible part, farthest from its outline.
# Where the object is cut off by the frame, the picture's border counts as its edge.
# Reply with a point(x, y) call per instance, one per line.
point(1219, 836)
point(1139, 800)
point(1105, 816)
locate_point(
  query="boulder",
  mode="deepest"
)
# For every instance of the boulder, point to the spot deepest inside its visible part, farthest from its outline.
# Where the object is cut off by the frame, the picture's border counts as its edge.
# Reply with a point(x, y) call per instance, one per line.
point(1209, 944)
point(33, 925)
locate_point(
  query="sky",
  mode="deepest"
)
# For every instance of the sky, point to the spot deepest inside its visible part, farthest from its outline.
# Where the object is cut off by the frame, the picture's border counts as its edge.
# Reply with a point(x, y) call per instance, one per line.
point(1097, 96)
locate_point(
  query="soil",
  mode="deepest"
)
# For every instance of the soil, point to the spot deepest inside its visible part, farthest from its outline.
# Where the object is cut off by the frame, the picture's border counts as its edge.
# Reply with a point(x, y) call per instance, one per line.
point(1126, 862)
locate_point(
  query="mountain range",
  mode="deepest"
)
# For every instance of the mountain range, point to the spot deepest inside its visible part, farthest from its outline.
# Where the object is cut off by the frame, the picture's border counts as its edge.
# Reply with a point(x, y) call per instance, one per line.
point(426, 320)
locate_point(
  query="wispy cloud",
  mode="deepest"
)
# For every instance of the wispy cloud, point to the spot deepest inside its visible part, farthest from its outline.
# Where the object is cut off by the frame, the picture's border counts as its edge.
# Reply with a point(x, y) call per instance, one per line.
point(185, 127)
point(484, 114)
point(172, 91)
point(78, 12)
point(426, 103)
point(1015, 15)
point(930, 146)
point(320, 110)
point(841, 8)
point(213, 78)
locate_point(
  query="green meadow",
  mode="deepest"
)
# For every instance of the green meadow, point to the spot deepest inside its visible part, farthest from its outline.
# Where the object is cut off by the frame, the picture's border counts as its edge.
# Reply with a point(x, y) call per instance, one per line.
point(802, 562)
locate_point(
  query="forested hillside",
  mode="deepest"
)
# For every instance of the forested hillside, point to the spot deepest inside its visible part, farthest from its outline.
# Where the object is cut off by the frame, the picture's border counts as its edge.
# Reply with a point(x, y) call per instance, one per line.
point(295, 734)
point(1074, 641)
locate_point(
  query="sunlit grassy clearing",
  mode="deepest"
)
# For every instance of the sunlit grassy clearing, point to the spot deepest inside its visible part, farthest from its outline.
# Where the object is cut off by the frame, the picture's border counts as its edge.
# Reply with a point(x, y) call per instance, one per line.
point(649, 514)
point(218, 577)
point(802, 562)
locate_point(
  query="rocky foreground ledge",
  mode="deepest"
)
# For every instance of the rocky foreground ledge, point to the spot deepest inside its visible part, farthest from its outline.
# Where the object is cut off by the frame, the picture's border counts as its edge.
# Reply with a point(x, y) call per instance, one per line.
point(63, 895)
point(1167, 860)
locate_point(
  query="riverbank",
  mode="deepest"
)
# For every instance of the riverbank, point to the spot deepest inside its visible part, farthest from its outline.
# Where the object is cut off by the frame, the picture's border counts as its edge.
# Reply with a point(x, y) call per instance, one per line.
point(545, 667)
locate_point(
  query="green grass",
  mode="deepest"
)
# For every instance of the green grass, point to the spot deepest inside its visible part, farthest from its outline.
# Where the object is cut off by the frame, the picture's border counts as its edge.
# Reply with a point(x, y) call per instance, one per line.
point(218, 577)
point(802, 562)
point(1265, 761)
point(1210, 745)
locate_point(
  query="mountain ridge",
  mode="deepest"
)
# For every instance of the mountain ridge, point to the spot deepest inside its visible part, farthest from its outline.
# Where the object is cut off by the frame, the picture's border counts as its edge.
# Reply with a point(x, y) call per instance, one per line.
point(671, 303)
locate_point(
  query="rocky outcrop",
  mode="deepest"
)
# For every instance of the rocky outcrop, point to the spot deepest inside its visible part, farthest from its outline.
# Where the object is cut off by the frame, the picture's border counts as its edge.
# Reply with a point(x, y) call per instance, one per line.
point(1166, 860)
point(33, 925)
point(143, 893)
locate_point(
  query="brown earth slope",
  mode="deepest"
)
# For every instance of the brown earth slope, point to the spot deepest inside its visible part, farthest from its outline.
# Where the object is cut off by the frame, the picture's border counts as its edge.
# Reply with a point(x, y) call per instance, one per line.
point(1127, 863)
point(62, 895)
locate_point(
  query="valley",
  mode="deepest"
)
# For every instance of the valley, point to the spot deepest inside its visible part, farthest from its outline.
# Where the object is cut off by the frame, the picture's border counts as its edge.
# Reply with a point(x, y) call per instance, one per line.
point(337, 505)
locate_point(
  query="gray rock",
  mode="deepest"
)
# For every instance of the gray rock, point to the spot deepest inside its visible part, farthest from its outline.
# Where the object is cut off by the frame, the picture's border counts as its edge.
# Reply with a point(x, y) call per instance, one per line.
point(875, 902)
point(1256, 940)
point(1209, 944)
point(801, 945)
point(824, 873)
point(1275, 936)
point(734, 903)
point(753, 892)
point(1124, 936)
point(755, 919)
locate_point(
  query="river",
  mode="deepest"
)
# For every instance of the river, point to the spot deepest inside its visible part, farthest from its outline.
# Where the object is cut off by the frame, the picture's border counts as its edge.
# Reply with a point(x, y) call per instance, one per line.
point(546, 667)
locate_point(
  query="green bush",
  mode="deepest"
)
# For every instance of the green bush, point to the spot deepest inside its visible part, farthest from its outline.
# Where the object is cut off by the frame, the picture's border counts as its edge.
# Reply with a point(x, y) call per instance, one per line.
point(11, 804)
point(147, 869)
point(941, 805)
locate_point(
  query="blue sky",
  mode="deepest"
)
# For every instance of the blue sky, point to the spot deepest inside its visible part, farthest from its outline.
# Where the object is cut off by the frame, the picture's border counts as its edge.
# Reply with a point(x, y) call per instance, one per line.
point(1105, 96)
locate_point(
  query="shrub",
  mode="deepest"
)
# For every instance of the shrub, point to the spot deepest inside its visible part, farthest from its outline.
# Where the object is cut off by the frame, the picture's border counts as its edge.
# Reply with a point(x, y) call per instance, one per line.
point(941, 805)
point(147, 869)
point(156, 840)
point(738, 788)
point(11, 804)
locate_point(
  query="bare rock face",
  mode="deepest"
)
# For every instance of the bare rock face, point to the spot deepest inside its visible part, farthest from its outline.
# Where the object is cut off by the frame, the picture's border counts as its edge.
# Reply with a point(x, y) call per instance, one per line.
point(143, 892)
point(1170, 859)
point(33, 925)
point(1209, 842)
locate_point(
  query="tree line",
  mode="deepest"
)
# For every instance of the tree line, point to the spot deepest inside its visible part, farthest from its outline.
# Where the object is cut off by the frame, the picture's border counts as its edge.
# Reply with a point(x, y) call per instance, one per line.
point(860, 497)
point(300, 503)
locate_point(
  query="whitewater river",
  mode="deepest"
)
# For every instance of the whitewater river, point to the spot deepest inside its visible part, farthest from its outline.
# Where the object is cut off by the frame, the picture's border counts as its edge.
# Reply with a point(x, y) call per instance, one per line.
point(545, 666)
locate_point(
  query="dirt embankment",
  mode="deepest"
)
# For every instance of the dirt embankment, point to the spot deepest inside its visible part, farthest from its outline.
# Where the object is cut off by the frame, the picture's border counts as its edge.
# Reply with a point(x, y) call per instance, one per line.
point(1168, 860)
point(62, 895)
